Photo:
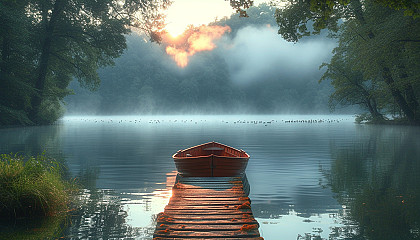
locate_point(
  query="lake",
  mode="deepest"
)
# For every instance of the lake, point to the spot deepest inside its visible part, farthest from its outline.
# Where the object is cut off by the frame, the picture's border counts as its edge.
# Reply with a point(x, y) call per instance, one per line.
point(311, 176)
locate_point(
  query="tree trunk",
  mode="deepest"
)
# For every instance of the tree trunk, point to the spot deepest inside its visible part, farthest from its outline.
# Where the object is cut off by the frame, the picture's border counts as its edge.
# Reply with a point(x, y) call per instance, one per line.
point(4, 68)
point(44, 60)
point(412, 100)
point(371, 104)
point(402, 103)
point(410, 94)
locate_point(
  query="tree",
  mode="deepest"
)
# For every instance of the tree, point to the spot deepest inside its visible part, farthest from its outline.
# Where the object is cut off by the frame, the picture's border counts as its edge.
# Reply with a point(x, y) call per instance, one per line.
point(77, 38)
point(16, 63)
point(351, 88)
point(375, 36)
point(68, 39)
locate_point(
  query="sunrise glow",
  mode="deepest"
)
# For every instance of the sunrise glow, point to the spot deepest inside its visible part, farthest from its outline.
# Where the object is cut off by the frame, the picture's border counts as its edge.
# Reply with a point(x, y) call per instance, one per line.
point(183, 13)
point(201, 40)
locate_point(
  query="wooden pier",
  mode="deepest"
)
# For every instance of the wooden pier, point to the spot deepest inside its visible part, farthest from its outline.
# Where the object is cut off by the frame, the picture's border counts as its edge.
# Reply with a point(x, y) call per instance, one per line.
point(208, 208)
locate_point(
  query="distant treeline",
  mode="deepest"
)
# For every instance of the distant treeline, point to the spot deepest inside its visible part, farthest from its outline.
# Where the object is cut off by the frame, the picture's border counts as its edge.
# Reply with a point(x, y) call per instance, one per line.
point(145, 80)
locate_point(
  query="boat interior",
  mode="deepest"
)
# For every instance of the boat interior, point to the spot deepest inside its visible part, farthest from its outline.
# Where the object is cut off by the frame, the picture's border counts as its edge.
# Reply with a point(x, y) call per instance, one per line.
point(208, 149)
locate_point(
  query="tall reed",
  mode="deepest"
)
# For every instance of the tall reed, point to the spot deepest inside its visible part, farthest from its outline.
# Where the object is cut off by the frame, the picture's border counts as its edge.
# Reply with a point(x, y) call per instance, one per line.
point(32, 187)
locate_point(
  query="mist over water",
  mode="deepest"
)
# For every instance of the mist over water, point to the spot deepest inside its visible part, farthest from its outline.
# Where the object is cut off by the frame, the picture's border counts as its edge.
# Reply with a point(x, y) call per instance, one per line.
point(256, 54)
point(252, 70)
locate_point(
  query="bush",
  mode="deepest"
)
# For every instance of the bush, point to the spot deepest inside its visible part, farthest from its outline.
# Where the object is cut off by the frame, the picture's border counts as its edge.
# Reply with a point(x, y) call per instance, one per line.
point(364, 117)
point(32, 187)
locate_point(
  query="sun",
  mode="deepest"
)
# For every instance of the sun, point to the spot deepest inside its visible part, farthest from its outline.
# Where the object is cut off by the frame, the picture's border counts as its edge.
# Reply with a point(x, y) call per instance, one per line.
point(183, 13)
point(174, 30)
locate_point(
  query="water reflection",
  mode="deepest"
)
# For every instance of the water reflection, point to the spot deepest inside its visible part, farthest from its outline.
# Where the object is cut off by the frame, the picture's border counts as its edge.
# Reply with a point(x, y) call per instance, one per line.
point(378, 183)
point(309, 180)
point(31, 140)
point(110, 214)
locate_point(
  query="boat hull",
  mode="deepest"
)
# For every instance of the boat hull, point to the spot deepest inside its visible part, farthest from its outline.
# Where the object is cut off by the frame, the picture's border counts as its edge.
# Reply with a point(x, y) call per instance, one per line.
point(222, 161)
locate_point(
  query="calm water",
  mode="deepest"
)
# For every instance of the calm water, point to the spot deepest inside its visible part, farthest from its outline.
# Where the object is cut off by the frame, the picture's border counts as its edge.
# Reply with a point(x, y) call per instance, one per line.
point(309, 180)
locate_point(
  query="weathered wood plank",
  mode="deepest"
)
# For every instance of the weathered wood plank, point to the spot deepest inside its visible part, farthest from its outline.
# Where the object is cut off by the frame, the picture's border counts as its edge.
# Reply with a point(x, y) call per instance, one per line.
point(212, 195)
point(167, 232)
point(204, 199)
point(203, 193)
point(191, 227)
point(207, 212)
point(177, 199)
point(208, 222)
point(206, 186)
point(210, 192)
point(177, 217)
point(226, 196)
point(201, 238)
point(204, 203)
point(198, 207)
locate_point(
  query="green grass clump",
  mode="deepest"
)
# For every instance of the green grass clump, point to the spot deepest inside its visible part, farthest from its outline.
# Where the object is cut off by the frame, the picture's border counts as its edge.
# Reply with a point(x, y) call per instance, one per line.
point(32, 187)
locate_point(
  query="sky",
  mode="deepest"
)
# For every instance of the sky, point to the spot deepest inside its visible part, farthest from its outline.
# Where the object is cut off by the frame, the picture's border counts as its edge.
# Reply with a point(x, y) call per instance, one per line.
point(196, 12)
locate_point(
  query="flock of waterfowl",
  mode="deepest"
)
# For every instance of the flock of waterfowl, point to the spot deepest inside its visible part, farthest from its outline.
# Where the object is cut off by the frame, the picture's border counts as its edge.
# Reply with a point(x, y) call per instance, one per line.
point(191, 121)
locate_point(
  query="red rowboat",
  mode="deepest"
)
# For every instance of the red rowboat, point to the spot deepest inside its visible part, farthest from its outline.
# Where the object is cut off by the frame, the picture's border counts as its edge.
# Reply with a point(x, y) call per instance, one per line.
point(211, 160)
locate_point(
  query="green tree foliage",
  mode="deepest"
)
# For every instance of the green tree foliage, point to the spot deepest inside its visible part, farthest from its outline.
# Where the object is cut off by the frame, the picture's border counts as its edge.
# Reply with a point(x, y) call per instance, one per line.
point(351, 87)
point(45, 44)
point(378, 48)
point(240, 6)
point(16, 67)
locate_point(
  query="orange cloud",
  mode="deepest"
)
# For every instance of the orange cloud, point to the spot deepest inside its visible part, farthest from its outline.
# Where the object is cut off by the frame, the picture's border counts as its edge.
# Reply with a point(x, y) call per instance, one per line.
point(179, 55)
point(200, 40)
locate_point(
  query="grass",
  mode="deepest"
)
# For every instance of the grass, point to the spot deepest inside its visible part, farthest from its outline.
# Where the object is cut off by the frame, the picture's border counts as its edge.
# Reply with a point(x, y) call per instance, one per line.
point(32, 187)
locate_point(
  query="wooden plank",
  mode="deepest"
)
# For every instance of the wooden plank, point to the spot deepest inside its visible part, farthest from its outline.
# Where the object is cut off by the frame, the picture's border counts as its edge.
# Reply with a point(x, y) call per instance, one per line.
point(201, 238)
point(216, 196)
point(191, 203)
point(204, 203)
point(207, 212)
point(176, 217)
point(203, 199)
point(178, 199)
point(238, 191)
point(208, 222)
point(163, 233)
point(198, 191)
point(200, 207)
point(191, 194)
point(206, 185)
point(192, 216)
point(190, 227)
